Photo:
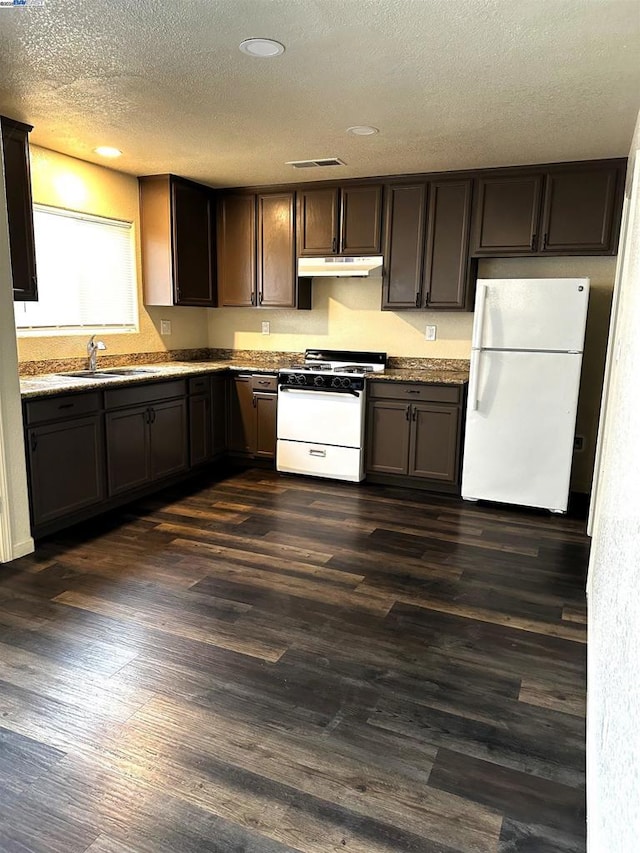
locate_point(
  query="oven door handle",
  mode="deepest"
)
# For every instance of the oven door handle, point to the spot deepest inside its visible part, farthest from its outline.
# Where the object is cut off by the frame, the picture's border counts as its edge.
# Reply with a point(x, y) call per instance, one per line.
point(294, 390)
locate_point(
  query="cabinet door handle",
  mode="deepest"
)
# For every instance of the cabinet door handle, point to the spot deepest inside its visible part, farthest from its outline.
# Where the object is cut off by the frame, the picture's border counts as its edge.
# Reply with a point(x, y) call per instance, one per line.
point(34, 441)
point(418, 299)
point(253, 299)
point(544, 242)
point(415, 414)
point(534, 242)
point(408, 412)
point(261, 297)
point(254, 401)
point(334, 245)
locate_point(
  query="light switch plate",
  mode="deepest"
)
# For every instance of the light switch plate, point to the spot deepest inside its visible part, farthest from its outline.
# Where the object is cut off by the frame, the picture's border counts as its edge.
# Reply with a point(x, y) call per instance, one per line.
point(165, 327)
point(430, 333)
point(266, 328)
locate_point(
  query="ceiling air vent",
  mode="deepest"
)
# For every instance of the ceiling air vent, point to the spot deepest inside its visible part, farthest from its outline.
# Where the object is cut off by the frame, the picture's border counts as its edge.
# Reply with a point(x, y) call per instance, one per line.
point(310, 164)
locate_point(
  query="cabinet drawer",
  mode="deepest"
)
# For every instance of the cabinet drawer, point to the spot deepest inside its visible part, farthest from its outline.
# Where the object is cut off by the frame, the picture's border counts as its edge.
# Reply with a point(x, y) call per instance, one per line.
point(139, 394)
point(262, 382)
point(56, 408)
point(199, 385)
point(414, 391)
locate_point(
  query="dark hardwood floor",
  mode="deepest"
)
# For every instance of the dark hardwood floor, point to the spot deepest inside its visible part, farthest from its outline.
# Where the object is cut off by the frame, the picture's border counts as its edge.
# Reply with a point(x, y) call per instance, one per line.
point(268, 664)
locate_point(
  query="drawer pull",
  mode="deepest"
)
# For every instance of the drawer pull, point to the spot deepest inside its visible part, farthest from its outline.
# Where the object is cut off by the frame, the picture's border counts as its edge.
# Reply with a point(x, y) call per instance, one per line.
point(66, 406)
point(413, 390)
point(314, 452)
point(264, 382)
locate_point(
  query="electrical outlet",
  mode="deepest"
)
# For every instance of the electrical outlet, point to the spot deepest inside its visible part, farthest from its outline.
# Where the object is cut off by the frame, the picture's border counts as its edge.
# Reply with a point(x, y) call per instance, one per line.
point(430, 333)
point(578, 443)
point(165, 327)
point(266, 327)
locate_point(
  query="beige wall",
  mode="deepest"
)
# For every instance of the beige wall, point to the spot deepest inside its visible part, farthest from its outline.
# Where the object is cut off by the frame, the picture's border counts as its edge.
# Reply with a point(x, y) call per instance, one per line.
point(346, 314)
point(63, 181)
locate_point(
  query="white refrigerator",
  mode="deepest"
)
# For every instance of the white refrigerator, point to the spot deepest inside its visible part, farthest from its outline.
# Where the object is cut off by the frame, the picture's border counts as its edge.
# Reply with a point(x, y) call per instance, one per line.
point(526, 356)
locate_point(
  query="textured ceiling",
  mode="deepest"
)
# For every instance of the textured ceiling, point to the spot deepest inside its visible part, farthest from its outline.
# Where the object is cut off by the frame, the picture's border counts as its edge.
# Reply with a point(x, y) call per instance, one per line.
point(450, 83)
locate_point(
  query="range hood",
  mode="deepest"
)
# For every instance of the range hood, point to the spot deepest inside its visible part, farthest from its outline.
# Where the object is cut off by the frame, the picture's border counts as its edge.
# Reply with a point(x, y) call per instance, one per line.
point(340, 267)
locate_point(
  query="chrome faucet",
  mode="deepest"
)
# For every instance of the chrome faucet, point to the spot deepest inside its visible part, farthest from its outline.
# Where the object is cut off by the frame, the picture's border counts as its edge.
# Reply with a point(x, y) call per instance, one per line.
point(92, 351)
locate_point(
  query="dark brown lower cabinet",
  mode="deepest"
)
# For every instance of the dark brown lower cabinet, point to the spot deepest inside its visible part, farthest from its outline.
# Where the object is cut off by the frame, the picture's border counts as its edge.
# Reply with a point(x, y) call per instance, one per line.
point(242, 421)
point(168, 438)
point(145, 442)
point(433, 451)
point(199, 429)
point(266, 406)
point(207, 418)
point(252, 416)
point(127, 449)
point(219, 395)
point(414, 434)
point(66, 471)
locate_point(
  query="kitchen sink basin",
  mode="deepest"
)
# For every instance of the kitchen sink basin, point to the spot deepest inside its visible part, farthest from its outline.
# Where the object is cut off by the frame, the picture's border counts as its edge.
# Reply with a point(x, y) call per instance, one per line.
point(106, 374)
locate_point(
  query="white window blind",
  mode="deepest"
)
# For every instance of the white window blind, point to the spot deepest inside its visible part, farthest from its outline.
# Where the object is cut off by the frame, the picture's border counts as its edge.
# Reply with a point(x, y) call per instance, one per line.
point(86, 273)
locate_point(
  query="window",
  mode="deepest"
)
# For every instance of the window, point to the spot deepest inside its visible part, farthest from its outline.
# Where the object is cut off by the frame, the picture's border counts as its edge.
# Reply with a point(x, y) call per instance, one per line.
point(86, 274)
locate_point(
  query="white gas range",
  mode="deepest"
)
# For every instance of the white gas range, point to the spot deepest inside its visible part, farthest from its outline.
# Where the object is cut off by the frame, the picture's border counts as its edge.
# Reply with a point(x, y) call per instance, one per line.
point(321, 410)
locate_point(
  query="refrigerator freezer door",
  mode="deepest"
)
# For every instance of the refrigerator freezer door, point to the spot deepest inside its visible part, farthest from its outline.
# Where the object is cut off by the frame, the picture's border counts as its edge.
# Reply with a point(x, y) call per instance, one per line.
point(531, 314)
point(519, 439)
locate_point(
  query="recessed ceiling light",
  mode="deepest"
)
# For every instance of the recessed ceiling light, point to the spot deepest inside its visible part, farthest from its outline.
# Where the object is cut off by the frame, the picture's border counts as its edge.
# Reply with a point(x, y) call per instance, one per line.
point(107, 151)
point(362, 130)
point(262, 48)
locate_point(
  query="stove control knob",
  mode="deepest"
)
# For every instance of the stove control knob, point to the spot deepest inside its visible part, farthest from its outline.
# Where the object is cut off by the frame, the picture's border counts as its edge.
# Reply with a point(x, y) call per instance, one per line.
point(346, 382)
point(335, 382)
point(301, 379)
point(318, 381)
point(291, 379)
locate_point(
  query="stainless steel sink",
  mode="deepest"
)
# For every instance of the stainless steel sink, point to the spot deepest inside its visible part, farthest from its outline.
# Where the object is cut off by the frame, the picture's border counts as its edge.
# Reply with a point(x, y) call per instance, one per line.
point(107, 374)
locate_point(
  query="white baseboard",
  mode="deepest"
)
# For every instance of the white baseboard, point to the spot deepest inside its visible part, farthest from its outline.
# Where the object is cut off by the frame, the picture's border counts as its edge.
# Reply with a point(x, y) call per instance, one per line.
point(21, 549)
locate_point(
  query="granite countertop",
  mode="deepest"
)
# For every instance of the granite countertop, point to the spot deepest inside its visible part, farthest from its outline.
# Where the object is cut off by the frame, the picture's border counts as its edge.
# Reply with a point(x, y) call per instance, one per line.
point(48, 384)
point(432, 375)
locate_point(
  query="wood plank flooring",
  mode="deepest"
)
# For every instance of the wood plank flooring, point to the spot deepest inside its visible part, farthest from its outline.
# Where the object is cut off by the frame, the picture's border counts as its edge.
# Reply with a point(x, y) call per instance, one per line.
point(270, 664)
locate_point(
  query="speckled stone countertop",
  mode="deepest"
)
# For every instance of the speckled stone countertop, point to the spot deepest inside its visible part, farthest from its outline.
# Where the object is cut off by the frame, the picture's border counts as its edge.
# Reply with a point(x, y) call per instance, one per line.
point(47, 384)
point(437, 371)
point(432, 375)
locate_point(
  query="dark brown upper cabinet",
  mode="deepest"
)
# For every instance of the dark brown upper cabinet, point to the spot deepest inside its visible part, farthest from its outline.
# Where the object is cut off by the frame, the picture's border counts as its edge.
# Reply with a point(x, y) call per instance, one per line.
point(177, 240)
point(579, 210)
point(318, 221)
point(276, 282)
point(360, 220)
point(15, 144)
point(448, 275)
point(571, 209)
point(340, 220)
point(256, 252)
point(237, 250)
point(507, 215)
point(427, 246)
point(406, 210)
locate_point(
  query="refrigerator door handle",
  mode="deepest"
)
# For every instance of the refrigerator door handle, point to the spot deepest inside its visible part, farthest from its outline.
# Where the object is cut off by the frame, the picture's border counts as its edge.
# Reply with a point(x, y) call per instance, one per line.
point(481, 298)
point(474, 370)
